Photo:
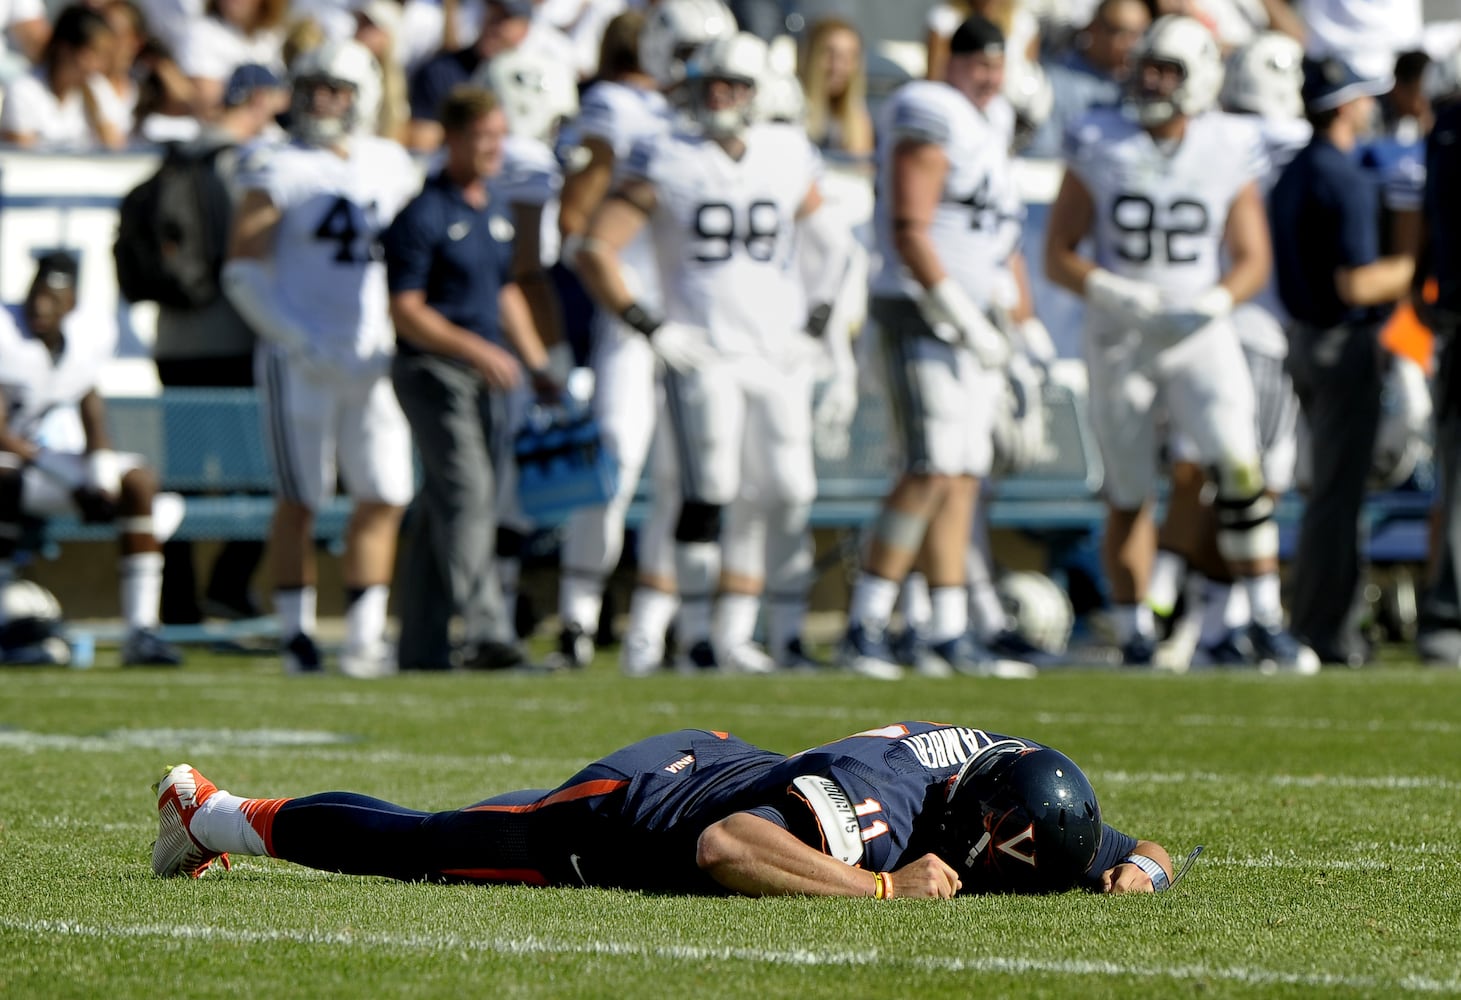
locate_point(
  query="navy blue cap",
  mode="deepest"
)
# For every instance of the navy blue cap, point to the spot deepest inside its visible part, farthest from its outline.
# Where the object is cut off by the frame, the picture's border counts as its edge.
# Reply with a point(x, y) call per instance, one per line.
point(977, 34)
point(515, 8)
point(245, 80)
point(1331, 83)
point(57, 269)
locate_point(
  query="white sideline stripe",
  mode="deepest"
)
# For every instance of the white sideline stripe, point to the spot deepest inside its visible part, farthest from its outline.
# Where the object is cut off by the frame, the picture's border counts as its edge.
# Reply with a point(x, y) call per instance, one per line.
point(532, 945)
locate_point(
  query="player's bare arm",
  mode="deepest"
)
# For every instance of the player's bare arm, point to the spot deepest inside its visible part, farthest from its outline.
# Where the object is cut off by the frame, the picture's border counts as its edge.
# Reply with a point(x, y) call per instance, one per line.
point(254, 224)
point(1071, 217)
point(755, 857)
point(94, 422)
point(1376, 283)
point(1249, 251)
point(919, 170)
point(614, 225)
point(584, 190)
point(1130, 876)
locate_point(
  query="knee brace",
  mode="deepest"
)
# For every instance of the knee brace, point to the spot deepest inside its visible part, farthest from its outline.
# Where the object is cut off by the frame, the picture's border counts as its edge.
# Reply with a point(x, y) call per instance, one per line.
point(698, 522)
point(898, 530)
point(1246, 530)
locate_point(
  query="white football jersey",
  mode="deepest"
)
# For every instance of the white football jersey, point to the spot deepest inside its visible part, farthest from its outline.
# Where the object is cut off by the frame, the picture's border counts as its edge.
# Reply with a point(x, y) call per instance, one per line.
point(328, 267)
point(724, 233)
point(41, 392)
point(622, 117)
point(1159, 215)
point(531, 175)
point(977, 224)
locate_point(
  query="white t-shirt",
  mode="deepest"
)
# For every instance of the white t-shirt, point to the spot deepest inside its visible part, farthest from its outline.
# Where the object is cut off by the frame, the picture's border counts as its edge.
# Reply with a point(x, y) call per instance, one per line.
point(213, 49)
point(32, 108)
point(1367, 34)
point(35, 384)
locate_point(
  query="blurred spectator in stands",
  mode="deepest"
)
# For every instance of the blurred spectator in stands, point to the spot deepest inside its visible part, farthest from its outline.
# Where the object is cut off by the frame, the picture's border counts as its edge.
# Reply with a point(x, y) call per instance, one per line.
point(164, 97)
point(506, 26)
point(230, 34)
point(834, 80)
point(1021, 31)
point(1396, 156)
point(1366, 34)
point(212, 347)
point(60, 104)
point(377, 27)
point(1237, 22)
point(119, 97)
point(25, 33)
point(583, 22)
point(1093, 73)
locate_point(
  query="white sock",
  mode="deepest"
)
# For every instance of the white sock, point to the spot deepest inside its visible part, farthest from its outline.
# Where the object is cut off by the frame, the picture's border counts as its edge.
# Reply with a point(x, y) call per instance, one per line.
point(950, 613)
point(295, 607)
point(1265, 598)
point(1165, 583)
point(141, 589)
point(650, 614)
point(735, 621)
point(365, 618)
point(1132, 620)
point(221, 825)
point(986, 610)
point(873, 598)
point(1215, 613)
point(1238, 612)
point(580, 601)
point(914, 602)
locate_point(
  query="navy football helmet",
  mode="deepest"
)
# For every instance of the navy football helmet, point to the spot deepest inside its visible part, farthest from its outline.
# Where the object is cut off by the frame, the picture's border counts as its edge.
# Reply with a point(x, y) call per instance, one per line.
point(1020, 818)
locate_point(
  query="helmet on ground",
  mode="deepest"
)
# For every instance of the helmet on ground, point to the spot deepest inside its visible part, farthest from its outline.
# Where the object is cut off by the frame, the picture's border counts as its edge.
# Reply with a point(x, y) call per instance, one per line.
point(30, 625)
point(739, 58)
point(1403, 440)
point(537, 93)
point(1037, 608)
point(1266, 77)
point(1189, 50)
point(1020, 818)
point(674, 29)
point(338, 63)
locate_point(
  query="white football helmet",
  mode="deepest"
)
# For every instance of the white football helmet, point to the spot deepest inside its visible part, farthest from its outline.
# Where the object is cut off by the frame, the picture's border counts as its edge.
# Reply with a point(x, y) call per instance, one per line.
point(340, 62)
point(674, 29)
point(1266, 77)
point(537, 93)
point(1403, 440)
point(741, 58)
point(1037, 608)
point(30, 624)
point(779, 98)
point(1188, 44)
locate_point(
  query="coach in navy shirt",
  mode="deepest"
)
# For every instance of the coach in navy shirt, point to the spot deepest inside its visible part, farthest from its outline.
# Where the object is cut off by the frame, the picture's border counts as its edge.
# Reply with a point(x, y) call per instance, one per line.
point(448, 260)
point(1325, 220)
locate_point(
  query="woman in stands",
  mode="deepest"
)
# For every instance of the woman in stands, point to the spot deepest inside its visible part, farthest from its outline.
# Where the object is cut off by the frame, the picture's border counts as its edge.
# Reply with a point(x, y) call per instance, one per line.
point(60, 104)
point(834, 79)
point(230, 34)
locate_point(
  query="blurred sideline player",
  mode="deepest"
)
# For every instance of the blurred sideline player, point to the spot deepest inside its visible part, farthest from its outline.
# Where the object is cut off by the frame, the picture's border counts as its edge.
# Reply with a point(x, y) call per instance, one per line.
point(1167, 189)
point(1263, 80)
point(943, 185)
point(726, 203)
point(641, 55)
point(55, 456)
point(305, 270)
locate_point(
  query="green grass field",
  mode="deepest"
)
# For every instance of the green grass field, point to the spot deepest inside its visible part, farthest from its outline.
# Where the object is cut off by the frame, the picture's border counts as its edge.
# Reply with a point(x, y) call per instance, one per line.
point(1330, 808)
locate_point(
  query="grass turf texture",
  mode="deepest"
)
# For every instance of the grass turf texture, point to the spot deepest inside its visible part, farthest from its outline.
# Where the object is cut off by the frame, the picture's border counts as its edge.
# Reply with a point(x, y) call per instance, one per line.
point(1329, 806)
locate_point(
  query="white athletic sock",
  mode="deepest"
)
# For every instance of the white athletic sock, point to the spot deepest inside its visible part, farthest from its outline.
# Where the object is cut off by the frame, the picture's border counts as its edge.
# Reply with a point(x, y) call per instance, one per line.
point(220, 824)
point(141, 589)
point(986, 611)
point(950, 617)
point(1237, 613)
point(914, 602)
point(735, 621)
point(365, 618)
point(1265, 599)
point(1165, 583)
point(1132, 620)
point(295, 607)
point(580, 601)
point(873, 598)
point(1215, 613)
point(650, 614)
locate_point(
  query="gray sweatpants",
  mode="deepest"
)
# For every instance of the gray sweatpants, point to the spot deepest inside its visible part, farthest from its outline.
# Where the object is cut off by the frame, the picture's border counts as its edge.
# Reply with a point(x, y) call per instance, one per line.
point(448, 544)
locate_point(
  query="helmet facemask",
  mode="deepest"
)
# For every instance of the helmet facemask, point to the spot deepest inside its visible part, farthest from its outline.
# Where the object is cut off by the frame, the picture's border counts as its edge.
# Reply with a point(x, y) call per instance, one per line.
point(307, 124)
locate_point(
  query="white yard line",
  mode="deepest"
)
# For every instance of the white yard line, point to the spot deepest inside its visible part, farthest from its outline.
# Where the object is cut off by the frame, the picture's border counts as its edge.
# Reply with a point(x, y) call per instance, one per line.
point(802, 958)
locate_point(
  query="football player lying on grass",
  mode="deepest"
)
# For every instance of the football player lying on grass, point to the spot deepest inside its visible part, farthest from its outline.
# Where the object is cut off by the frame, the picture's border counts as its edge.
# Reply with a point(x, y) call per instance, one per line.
point(915, 809)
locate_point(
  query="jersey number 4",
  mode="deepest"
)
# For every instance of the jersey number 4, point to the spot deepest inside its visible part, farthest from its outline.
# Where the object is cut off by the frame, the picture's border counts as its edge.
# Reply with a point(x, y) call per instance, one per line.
point(344, 224)
point(1143, 228)
point(718, 231)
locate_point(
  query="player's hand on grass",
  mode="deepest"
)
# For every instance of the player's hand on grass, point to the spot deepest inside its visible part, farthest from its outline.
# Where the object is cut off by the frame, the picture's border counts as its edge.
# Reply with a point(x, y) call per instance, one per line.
point(927, 878)
point(1126, 877)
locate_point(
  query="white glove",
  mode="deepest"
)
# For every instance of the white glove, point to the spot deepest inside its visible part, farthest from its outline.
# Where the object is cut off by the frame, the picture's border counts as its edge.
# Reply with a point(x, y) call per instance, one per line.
point(1035, 338)
point(955, 319)
point(832, 418)
point(1138, 301)
point(104, 472)
point(683, 347)
point(1181, 321)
